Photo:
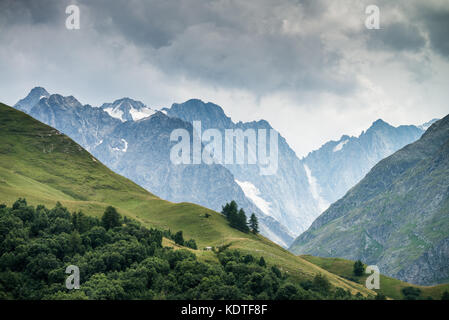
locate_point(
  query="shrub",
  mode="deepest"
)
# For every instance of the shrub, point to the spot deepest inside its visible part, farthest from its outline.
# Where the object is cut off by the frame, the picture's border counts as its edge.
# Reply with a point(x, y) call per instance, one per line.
point(191, 244)
point(445, 296)
point(411, 293)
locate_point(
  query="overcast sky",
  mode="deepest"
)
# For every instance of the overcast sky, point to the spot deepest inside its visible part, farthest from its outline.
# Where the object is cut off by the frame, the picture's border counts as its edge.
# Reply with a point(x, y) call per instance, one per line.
point(309, 67)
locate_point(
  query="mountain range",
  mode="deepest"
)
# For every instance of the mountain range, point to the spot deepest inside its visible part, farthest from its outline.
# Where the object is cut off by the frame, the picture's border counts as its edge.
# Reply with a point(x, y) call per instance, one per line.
point(134, 140)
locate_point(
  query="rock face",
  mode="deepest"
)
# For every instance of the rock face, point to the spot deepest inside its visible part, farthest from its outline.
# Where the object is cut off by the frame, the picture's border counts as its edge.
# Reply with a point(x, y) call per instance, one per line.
point(284, 195)
point(397, 217)
point(140, 150)
point(84, 124)
point(338, 165)
point(31, 99)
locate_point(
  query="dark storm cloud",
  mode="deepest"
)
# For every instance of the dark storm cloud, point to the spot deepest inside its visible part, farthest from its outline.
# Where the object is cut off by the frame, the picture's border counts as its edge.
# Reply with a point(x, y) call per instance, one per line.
point(261, 46)
point(151, 23)
point(397, 37)
point(240, 44)
point(422, 18)
point(265, 62)
point(436, 23)
point(13, 12)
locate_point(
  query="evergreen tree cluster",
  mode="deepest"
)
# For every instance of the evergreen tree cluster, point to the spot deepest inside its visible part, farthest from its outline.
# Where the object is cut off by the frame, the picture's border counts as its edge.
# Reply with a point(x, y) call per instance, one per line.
point(178, 238)
point(238, 220)
point(120, 259)
point(411, 293)
point(359, 268)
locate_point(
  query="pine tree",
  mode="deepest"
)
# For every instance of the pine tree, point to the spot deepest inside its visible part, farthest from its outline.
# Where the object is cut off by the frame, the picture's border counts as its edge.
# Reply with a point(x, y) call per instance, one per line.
point(242, 223)
point(236, 218)
point(225, 210)
point(254, 224)
point(359, 268)
point(178, 238)
point(111, 218)
point(262, 262)
point(233, 219)
point(76, 242)
point(230, 209)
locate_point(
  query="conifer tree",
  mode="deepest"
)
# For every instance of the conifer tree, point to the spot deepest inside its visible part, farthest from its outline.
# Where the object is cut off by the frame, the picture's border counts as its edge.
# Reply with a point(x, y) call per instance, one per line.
point(111, 218)
point(254, 224)
point(359, 268)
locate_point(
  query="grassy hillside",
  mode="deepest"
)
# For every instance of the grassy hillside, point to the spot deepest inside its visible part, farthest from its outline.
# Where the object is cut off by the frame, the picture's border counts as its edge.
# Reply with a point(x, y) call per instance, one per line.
point(388, 286)
point(44, 166)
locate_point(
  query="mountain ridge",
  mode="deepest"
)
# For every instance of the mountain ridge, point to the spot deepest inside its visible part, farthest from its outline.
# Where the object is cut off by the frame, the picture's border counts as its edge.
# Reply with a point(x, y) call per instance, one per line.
point(396, 217)
point(339, 165)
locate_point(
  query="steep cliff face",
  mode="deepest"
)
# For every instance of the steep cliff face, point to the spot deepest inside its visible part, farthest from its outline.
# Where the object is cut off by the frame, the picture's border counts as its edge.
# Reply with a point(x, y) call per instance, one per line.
point(31, 99)
point(397, 217)
point(339, 165)
point(83, 123)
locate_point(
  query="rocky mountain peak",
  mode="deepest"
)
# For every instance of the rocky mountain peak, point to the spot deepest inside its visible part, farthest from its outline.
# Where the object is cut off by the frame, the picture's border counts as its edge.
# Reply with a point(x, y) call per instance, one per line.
point(208, 113)
point(126, 109)
point(31, 99)
point(38, 91)
point(379, 124)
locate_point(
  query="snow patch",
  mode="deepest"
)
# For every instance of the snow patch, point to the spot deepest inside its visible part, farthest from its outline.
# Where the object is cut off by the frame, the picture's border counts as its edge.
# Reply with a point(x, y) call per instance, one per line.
point(142, 113)
point(115, 113)
point(125, 148)
point(254, 195)
point(339, 146)
point(126, 145)
point(315, 189)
